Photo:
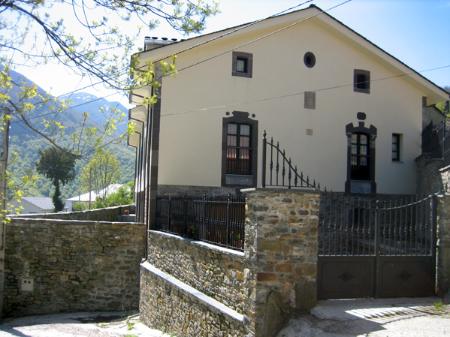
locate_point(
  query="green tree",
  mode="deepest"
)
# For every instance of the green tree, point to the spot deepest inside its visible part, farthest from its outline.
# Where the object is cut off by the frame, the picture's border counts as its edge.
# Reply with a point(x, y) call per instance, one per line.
point(40, 31)
point(101, 171)
point(123, 196)
point(443, 106)
point(58, 166)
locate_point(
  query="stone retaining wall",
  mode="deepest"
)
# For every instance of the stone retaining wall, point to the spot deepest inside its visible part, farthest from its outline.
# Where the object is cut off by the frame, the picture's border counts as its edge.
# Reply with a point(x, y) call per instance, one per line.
point(275, 276)
point(429, 179)
point(217, 272)
point(173, 308)
point(101, 214)
point(182, 190)
point(62, 265)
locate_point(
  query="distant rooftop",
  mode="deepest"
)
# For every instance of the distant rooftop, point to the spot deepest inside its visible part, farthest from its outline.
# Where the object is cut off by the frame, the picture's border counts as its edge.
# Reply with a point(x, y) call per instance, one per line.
point(41, 202)
point(85, 197)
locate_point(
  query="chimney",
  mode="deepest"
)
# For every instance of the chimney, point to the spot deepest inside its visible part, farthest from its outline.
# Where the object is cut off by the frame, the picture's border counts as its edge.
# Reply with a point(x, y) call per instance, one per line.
point(154, 42)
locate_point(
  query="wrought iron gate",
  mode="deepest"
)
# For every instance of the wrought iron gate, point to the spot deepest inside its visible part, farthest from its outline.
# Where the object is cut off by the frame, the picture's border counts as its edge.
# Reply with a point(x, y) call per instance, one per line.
point(376, 248)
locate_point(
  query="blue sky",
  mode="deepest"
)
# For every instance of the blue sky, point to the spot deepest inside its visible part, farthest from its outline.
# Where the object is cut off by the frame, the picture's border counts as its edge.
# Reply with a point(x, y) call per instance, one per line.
point(416, 32)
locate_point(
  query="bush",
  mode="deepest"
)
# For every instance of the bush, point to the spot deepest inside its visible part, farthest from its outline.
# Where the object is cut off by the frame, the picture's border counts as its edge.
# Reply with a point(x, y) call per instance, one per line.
point(123, 196)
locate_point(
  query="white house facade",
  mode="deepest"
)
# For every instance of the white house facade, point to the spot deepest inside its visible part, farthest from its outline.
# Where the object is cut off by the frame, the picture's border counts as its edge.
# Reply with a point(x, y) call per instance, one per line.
point(347, 114)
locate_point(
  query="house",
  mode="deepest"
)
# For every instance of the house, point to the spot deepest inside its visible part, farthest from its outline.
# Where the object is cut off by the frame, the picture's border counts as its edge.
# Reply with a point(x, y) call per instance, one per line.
point(347, 113)
point(35, 205)
point(296, 100)
point(91, 196)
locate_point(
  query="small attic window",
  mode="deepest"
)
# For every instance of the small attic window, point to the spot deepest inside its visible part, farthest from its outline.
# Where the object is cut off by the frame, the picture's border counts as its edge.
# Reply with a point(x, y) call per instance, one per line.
point(361, 81)
point(242, 64)
point(309, 59)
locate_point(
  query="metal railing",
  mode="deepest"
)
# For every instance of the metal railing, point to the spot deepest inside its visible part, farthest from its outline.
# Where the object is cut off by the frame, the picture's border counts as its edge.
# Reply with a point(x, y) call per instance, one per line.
point(364, 226)
point(278, 170)
point(218, 220)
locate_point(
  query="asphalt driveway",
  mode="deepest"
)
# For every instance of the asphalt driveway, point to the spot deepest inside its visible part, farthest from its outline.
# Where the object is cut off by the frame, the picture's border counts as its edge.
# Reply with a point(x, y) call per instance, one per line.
point(401, 317)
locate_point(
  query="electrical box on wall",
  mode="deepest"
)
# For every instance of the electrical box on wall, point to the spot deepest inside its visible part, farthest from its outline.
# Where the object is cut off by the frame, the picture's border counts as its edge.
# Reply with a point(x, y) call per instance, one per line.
point(26, 284)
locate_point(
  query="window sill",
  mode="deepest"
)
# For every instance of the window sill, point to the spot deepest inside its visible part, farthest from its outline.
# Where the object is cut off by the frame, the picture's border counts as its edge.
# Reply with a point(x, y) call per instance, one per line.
point(238, 74)
point(239, 180)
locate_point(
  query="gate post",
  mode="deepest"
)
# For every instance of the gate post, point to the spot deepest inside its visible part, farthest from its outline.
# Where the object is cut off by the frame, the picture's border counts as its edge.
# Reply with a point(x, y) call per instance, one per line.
point(377, 248)
point(281, 247)
point(443, 270)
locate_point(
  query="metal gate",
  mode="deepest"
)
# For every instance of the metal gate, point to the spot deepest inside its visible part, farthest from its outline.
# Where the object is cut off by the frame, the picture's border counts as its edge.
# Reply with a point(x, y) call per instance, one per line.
point(376, 248)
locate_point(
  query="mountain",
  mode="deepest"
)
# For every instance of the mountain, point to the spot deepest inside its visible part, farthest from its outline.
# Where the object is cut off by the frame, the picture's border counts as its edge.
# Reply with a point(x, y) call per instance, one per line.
point(25, 144)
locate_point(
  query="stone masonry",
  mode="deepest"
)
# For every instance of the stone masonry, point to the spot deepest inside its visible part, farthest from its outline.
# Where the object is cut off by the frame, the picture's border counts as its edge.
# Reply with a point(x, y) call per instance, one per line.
point(444, 246)
point(101, 214)
point(275, 275)
point(428, 176)
point(444, 236)
point(281, 249)
point(176, 311)
point(61, 265)
point(213, 270)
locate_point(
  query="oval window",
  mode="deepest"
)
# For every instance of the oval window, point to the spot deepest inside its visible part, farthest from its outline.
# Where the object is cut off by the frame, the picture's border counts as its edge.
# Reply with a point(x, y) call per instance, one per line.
point(309, 59)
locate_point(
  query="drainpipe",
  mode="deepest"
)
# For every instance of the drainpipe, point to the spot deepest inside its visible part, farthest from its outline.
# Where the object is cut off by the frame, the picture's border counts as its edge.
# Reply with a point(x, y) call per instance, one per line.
point(444, 136)
point(3, 186)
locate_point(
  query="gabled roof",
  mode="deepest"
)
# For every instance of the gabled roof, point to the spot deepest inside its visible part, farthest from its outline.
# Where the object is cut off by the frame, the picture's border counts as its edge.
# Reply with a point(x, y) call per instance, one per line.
point(40, 202)
point(168, 50)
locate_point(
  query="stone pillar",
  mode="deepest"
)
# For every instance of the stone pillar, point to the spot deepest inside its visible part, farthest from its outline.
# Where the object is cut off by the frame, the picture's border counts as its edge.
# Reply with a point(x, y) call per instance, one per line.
point(281, 252)
point(444, 247)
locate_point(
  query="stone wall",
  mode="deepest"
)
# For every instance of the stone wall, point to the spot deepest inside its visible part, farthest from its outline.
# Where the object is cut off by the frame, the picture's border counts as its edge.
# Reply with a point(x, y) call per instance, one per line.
point(444, 246)
point(181, 190)
point(445, 178)
point(102, 214)
point(217, 272)
point(196, 289)
point(62, 265)
point(281, 248)
point(428, 176)
point(183, 311)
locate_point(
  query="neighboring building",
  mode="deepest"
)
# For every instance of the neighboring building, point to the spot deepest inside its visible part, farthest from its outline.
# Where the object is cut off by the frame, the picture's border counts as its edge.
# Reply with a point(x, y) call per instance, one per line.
point(91, 196)
point(32, 205)
point(346, 112)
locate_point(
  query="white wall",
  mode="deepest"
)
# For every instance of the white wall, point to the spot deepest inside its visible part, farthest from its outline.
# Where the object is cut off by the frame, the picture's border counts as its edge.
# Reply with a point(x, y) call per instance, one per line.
point(195, 100)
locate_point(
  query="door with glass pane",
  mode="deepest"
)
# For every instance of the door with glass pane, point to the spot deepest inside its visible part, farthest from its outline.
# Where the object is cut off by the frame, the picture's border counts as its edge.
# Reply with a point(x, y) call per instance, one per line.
point(360, 157)
point(239, 148)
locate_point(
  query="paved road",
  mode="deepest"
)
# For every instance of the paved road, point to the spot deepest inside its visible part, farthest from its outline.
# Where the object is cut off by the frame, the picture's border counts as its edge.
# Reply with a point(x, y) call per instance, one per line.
point(338, 318)
point(375, 318)
point(78, 325)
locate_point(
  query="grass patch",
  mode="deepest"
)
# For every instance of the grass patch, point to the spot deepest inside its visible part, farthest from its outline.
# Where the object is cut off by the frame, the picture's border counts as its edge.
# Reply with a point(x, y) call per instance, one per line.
point(439, 306)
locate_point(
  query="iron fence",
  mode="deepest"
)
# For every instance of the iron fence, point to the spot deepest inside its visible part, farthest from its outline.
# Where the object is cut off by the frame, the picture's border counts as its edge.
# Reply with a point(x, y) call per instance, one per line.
point(278, 170)
point(364, 226)
point(218, 220)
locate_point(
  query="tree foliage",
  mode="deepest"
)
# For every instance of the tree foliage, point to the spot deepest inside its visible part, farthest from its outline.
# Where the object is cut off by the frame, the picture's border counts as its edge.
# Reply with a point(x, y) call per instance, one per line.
point(123, 196)
point(99, 47)
point(101, 171)
point(86, 36)
point(58, 165)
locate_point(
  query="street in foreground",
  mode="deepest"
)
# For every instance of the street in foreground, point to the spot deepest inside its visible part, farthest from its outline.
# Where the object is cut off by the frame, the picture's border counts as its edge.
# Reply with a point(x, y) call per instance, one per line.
point(401, 317)
point(77, 325)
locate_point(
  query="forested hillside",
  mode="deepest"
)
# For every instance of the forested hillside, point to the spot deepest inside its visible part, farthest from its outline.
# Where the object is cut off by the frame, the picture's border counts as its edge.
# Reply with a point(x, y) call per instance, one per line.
point(25, 144)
